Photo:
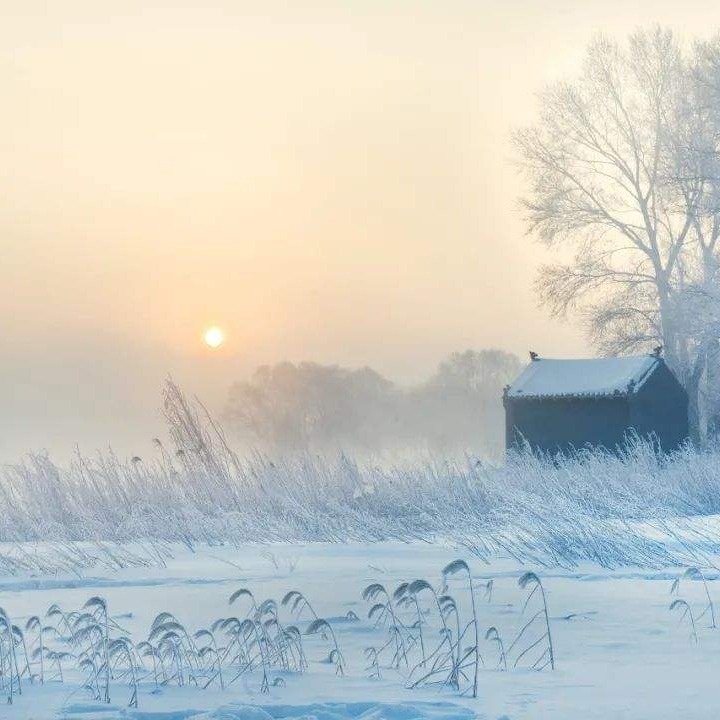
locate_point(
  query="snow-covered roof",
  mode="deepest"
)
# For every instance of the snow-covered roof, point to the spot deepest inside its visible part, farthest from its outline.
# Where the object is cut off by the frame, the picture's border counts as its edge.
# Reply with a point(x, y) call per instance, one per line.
point(598, 377)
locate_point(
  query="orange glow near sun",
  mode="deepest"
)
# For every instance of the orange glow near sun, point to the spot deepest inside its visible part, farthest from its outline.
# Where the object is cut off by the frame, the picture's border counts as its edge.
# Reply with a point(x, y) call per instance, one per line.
point(214, 337)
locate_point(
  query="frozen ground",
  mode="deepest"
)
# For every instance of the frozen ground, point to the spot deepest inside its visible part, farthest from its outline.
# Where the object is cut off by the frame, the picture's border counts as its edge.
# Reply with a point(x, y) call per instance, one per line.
point(620, 652)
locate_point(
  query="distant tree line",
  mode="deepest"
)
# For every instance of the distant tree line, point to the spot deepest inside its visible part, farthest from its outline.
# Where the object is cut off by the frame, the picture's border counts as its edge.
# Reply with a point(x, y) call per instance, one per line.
point(327, 408)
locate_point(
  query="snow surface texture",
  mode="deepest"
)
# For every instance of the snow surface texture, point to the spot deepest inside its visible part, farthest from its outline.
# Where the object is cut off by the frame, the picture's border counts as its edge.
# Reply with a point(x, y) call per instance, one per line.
point(316, 711)
point(620, 652)
point(593, 377)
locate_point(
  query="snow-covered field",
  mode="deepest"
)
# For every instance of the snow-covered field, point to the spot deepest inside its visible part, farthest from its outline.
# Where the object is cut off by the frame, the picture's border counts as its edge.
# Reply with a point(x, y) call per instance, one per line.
point(181, 531)
point(619, 651)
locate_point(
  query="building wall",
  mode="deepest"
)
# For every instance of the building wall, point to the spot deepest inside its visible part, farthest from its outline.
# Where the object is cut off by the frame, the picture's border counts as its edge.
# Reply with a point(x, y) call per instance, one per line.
point(563, 424)
point(660, 409)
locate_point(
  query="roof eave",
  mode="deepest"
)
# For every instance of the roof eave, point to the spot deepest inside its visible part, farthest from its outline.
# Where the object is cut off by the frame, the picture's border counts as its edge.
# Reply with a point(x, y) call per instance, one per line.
point(616, 395)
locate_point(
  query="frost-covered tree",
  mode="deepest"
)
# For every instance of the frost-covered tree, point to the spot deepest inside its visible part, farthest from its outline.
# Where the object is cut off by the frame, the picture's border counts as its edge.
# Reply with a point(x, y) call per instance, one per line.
point(308, 406)
point(461, 404)
point(473, 371)
point(622, 168)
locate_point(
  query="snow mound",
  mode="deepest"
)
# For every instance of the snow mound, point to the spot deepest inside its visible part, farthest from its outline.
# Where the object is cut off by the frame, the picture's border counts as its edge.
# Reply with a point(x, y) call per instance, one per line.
point(341, 711)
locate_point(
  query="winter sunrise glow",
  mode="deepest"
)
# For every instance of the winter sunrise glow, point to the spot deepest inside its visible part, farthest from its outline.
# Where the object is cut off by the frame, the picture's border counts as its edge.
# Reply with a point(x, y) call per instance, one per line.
point(214, 337)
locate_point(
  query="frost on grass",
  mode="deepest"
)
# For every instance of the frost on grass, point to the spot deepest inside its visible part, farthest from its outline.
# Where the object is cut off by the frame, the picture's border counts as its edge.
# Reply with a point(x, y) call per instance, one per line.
point(434, 633)
point(634, 509)
point(432, 640)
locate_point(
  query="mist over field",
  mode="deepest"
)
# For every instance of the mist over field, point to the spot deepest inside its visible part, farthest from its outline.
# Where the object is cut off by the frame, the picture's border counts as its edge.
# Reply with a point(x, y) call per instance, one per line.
point(286, 408)
point(360, 360)
point(330, 182)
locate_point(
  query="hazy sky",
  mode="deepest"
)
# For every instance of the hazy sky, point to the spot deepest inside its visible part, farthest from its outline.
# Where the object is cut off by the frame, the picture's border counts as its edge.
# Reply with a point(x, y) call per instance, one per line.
point(327, 181)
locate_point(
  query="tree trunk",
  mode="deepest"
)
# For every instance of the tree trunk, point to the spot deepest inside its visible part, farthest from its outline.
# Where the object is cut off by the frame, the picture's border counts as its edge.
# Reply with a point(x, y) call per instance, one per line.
point(692, 387)
point(712, 392)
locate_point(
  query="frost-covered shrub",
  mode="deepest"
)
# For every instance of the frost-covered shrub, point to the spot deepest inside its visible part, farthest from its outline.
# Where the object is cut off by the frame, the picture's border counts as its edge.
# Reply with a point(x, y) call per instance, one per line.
point(632, 509)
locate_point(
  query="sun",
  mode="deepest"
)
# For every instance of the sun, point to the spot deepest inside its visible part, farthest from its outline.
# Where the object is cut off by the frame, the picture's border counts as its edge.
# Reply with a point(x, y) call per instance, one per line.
point(214, 337)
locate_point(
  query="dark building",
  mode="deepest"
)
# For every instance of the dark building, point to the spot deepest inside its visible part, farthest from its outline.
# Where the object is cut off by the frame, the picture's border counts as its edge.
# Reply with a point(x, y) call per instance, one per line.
point(561, 405)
